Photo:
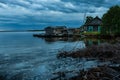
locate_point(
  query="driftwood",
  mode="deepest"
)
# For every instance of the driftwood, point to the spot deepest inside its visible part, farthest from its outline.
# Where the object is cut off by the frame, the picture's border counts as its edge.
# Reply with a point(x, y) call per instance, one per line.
point(104, 52)
point(62, 75)
point(99, 73)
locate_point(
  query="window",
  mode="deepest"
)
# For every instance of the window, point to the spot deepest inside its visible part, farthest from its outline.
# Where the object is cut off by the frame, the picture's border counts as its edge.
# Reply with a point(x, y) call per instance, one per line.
point(90, 28)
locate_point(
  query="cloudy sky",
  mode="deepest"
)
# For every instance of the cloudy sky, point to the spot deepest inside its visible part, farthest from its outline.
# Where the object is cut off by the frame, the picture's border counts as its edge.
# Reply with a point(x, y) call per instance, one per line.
point(37, 14)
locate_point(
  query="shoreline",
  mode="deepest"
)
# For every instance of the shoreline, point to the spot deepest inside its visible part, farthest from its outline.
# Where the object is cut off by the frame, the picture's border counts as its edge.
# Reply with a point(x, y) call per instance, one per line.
point(103, 52)
point(22, 31)
point(78, 35)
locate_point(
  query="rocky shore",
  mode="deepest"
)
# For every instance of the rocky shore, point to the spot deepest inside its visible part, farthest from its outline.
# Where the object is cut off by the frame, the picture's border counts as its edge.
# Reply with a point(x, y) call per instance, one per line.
point(99, 73)
point(104, 52)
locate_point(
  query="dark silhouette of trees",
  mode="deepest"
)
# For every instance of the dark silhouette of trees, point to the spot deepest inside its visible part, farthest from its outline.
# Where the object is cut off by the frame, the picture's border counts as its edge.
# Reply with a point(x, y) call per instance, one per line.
point(111, 21)
point(88, 19)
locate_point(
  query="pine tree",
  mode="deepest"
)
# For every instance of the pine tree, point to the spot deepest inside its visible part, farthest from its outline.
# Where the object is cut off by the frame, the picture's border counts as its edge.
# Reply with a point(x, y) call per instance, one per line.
point(111, 21)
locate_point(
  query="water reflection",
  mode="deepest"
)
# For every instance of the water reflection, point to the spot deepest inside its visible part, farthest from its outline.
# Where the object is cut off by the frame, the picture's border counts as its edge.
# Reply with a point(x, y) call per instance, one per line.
point(61, 39)
point(87, 41)
point(95, 41)
point(90, 42)
point(22, 55)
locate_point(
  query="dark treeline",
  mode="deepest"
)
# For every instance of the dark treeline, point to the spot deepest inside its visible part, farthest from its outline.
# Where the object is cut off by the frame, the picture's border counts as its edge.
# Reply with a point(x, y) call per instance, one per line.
point(111, 21)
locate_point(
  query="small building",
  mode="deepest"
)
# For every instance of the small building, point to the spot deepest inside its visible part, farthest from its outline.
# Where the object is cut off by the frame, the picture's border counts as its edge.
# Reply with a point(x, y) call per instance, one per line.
point(73, 31)
point(94, 25)
point(82, 28)
point(49, 30)
point(77, 31)
point(57, 30)
point(60, 30)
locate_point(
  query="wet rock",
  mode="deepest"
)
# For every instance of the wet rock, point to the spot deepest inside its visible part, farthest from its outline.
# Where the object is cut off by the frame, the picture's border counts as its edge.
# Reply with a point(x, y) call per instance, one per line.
point(105, 52)
point(100, 73)
point(3, 76)
point(61, 76)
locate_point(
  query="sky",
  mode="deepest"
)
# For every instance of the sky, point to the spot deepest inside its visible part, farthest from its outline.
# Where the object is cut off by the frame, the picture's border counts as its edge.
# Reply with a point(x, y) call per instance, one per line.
point(37, 14)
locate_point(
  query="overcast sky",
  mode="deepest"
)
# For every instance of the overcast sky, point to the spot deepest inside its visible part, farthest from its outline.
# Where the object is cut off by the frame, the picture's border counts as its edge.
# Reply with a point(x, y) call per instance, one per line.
point(37, 14)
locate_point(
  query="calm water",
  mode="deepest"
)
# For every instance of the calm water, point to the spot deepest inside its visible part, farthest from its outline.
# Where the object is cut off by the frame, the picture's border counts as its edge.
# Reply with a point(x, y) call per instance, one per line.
point(24, 57)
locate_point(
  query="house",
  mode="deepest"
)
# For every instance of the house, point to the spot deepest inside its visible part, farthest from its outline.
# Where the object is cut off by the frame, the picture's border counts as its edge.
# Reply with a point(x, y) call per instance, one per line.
point(49, 30)
point(77, 31)
point(57, 30)
point(73, 31)
point(94, 25)
point(82, 28)
point(60, 30)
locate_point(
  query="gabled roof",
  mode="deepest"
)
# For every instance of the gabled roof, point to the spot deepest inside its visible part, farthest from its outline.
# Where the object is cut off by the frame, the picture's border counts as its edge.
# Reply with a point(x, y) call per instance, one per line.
point(95, 21)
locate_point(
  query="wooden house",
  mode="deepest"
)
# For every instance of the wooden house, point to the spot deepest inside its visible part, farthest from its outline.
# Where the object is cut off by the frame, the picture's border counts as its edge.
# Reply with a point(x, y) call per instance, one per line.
point(60, 30)
point(49, 30)
point(94, 25)
point(57, 30)
point(73, 31)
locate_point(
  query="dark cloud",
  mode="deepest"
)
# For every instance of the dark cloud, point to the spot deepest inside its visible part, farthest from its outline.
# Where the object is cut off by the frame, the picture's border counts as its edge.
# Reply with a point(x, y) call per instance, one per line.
point(40, 13)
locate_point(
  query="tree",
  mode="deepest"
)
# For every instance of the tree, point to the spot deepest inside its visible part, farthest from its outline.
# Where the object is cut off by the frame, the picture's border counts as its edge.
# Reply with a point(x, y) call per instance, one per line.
point(88, 19)
point(111, 21)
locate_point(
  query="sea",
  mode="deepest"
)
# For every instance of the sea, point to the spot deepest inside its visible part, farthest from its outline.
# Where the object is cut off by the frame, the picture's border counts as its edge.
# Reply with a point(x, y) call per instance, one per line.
point(24, 57)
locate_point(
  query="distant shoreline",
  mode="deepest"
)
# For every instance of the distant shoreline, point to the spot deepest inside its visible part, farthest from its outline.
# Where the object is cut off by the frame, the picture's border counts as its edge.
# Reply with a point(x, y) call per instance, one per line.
point(22, 31)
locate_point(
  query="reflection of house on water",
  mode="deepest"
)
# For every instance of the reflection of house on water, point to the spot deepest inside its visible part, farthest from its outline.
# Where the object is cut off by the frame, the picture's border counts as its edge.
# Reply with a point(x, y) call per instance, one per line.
point(62, 39)
point(90, 42)
point(55, 39)
point(93, 41)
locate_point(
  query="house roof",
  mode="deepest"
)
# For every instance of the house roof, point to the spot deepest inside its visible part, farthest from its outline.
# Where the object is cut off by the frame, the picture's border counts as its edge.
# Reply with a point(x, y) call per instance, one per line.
point(49, 27)
point(55, 27)
point(95, 21)
point(60, 27)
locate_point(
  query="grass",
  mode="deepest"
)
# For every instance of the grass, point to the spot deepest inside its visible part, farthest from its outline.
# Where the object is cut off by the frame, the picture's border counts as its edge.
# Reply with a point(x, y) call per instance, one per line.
point(92, 33)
